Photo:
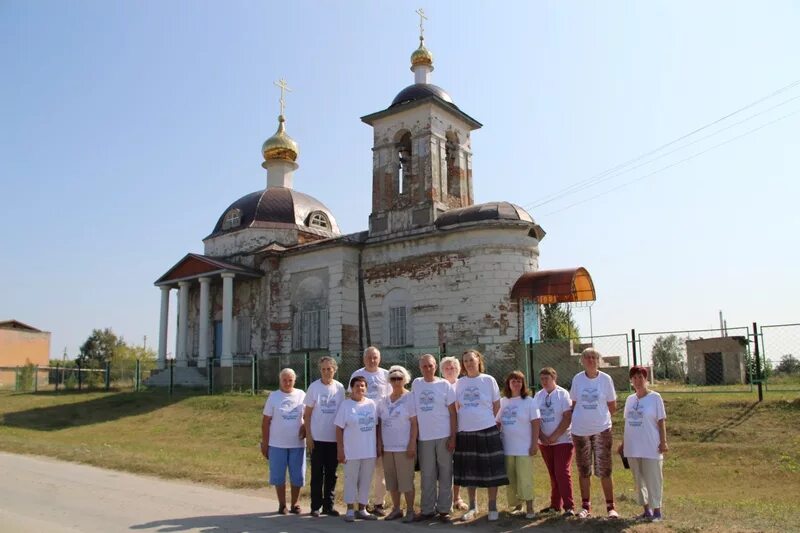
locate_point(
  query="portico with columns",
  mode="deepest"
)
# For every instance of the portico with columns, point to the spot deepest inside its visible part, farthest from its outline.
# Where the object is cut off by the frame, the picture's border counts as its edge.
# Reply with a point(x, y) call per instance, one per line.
point(193, 277)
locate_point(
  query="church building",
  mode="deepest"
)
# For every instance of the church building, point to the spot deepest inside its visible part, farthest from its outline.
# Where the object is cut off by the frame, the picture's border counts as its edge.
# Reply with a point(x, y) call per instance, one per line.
point(277, 276)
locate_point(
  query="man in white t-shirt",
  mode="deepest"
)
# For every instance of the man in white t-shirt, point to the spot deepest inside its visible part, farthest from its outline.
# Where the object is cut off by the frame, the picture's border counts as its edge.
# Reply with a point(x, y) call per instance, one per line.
point(594, 400)
point(378, 387)
point(435, 402)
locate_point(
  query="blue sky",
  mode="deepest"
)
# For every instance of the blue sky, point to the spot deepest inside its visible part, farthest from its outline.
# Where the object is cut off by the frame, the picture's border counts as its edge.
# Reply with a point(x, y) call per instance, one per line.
point(128, 127)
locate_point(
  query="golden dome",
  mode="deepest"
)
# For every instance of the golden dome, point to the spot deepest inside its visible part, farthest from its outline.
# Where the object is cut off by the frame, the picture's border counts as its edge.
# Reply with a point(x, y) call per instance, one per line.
point(421, 56)
point(280, 146)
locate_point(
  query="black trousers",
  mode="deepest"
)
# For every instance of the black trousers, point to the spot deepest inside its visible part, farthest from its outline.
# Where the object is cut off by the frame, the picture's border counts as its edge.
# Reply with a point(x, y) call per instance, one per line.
point(323, 474)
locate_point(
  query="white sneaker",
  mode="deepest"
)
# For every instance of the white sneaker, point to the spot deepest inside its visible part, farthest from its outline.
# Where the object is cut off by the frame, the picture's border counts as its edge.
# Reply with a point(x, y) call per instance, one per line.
point(584, 513)
point(469, 515)
point(364, 515)
point(493, 516)
point(613, 513)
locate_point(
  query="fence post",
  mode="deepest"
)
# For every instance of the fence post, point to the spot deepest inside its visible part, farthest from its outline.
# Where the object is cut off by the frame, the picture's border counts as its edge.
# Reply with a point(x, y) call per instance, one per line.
point(48, 377)
point(529, 362)
point(108, 375)
point(633, 342)
point(35, 378)
point(759, 374)
point(305, 370)
point(253, 376)
point(137, 376)
point(80, 377)
point(171, 375)
point(16, 379)
point(211, 376)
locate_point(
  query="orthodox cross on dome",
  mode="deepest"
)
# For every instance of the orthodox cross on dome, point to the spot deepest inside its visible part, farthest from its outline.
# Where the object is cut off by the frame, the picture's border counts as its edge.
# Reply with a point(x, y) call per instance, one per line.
point(284, 87)
point(422, 17)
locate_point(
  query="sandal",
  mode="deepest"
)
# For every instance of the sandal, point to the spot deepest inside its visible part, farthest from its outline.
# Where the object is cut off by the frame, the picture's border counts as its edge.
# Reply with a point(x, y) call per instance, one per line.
point(460, 505)
point(282, 509)
point(295, 509)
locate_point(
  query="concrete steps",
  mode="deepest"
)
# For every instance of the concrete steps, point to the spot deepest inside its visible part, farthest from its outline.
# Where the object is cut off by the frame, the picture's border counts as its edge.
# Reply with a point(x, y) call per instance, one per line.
point(182, 377)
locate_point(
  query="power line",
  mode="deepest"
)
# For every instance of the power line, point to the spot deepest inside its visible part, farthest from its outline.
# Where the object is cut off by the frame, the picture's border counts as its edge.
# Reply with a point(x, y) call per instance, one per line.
point(698, 154)
point(665, 154)
point(583, 183)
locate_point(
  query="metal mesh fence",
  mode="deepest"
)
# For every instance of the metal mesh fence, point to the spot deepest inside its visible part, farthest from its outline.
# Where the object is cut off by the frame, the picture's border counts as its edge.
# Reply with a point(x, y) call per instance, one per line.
point(564, 356)
point(780, 348)
point(707, 360)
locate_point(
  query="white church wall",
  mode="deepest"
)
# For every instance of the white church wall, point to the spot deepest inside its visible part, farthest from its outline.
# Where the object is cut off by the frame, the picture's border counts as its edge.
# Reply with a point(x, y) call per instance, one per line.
point(247, 240)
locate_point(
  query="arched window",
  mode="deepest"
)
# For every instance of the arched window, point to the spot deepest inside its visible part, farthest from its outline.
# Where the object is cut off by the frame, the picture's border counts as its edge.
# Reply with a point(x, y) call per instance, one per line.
point(404, 163)
point(451, 158)
point(233, 219)
point(318, 219)
point(310, 315)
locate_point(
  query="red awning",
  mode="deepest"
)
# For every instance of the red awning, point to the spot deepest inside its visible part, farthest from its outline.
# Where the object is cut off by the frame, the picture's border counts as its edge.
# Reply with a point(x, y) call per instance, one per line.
point(555, 286)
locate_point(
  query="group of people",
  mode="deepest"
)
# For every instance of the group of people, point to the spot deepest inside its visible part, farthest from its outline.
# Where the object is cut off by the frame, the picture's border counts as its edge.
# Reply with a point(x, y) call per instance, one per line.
point(458, 431)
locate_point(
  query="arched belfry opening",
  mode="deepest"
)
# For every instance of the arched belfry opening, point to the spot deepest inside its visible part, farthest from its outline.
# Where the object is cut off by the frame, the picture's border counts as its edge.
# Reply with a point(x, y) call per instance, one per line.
point(454, 172)
point(404, 176)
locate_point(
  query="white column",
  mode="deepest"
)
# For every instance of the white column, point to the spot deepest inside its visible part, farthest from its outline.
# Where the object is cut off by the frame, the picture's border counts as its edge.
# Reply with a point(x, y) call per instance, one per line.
point(163, 328)
point(227, 319)
point(204, 318)
point(183, 323)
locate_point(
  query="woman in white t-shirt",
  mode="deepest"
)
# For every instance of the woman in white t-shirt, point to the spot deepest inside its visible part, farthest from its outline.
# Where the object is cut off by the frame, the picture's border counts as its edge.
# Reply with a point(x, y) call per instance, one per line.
point(357, 446)
point(282, 439)
point(451, 370)
point(398, 426)
point(323, 398)
point(479, 460)
point(519, 420)
point(645, 442)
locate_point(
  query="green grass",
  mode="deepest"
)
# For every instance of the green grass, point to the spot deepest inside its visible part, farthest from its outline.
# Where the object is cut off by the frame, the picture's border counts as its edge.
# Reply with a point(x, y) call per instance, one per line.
point(734, 464)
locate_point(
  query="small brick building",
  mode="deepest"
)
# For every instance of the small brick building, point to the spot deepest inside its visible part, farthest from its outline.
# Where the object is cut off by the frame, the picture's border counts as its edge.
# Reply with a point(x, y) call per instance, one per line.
point(20, 345)
point(717, 361)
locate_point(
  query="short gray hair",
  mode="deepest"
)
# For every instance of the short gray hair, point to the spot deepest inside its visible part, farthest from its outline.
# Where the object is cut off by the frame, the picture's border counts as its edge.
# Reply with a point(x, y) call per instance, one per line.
point(450, 359)
point(398, 368)
point(288, 371)
point(328, 359)
point(591, 352)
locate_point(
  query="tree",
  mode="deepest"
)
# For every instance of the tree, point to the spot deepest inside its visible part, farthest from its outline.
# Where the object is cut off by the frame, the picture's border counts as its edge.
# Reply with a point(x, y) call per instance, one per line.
point(100, 347)
point(789, 365)
point(667, 357)
point(557, 323)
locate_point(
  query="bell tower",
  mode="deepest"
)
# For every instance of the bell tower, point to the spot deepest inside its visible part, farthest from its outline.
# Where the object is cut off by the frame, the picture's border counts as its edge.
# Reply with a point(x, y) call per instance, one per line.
point(421, 156)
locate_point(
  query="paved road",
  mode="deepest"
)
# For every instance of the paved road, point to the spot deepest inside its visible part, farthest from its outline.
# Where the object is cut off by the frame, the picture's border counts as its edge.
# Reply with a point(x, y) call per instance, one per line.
point(45, 495)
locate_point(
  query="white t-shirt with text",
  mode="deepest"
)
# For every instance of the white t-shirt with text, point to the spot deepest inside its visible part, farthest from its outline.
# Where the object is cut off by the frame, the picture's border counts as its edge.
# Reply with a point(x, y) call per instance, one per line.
point(432, 401)
point(324, 401)
point(359, 421)
point(396, 422)
point(378, 384)
point(552, 407)
point(474, 399)
point(515, 416)
point(641, 436)
point(590, 415)
point(286, 412)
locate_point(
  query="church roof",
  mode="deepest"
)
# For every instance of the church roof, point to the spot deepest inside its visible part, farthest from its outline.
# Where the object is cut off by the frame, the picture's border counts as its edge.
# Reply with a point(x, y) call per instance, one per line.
point(277, 207)
point(487, 211)
point(16, 324)
point(418, 91)
point(193, 266)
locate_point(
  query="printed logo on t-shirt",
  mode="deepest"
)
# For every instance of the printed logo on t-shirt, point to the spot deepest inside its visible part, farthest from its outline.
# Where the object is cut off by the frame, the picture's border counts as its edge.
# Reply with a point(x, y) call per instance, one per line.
point(289, 410)
point(590, 398)
point(426, 401)
point(366, 419)
point(635, 416)
point(509, 416)
point(374, 389)
point(548, 414)
point(472, 397)
point(328, 404)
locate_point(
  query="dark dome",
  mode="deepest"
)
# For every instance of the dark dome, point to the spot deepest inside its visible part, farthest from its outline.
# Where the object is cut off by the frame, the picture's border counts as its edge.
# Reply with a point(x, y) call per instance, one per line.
point(418, 91)
point(277, 207)
point(487, 211)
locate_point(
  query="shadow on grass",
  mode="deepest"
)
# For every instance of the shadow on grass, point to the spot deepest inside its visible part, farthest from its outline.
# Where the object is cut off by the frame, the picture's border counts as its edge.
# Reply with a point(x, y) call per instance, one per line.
point(112, 406)
point(270, 521)
point(735, 420)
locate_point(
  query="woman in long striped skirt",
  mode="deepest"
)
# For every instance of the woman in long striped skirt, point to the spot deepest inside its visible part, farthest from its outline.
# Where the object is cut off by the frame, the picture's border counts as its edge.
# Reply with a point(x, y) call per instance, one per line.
point(479, 460)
